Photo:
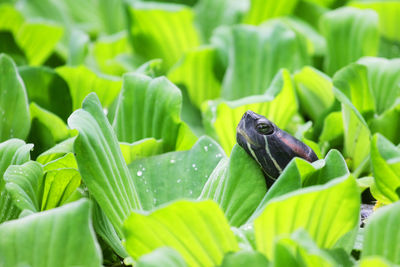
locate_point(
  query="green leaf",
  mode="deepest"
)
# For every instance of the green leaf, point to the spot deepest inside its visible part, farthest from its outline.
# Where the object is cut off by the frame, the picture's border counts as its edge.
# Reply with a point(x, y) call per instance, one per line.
point(256, 54)
point(175, 175)
point(109, 52)
point(388, 16)
point(381, 235)
point(344, 46)
point(33, 189)
point(245, 258)
point(104, 228)
point(332, 128)
point(356, 132)
point(82, 81)
point(335, 204)
point(316, 43)
point(71, 241)
point(301, 173)
point(46, 88)
point(222, 117)
point(165, 256)
point(101, 163)
point(14, 111)
point(237, 186)
point(385, 158)
point(155, 104)
point(59, 186)
point(262, 10)
point(352, 81)
point(384, 79)
point(38, 40)
point(210, 14)
point(163, 31)
point(56, 151)
point(11, 19)
point(195, 72)
point(12, 152)
point(315, 92)
point(373, 261)
point(25, 185)
point(387, 123)
point(47, 129)
point(65, 161)
point(197, 230)
point(141, 149)
point(301, 250)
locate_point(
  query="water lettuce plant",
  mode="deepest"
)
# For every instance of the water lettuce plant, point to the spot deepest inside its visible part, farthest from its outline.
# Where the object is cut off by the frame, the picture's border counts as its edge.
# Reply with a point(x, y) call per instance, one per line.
point(118, 132)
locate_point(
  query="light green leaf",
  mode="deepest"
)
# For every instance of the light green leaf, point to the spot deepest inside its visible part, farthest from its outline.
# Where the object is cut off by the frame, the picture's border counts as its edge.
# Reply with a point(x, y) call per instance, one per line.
point(161, 30)
point(155, 104)
point(316, 43)
point(82, 81)
point(141, 149)
point(11, 19)
point(46, 88)
point(384, 79)
point(388, 12)
point(374, 261)
point(197, 230)
point(262, 10)
point(301, 173)
point(59, 186)
point(381, 235)
point(210, 14)
point(388, 123)
point(301, 250)
point(33, 189)
point(221, 118)
point(385, 158)
point(165, 256)
point(315, 92)
point(175, 175)
point(256, 54)
point(12, 152)
point(195, 71)
point(14, 111)
point(101, 163)
point(332, 128)
point(56, 151)
point(38, 40)
point(353, 82)
point(78, 47)
point(335, 204)
point(65, 161)
point(237, 186)
point(109, 51)
point(25, 185)
point(356, 131)
point(351, 34)
point(245, 258)
point(71, 241)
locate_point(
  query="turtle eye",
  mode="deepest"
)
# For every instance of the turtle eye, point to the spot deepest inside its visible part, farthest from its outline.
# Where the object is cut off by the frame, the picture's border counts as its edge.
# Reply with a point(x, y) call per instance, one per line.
point(264, 128)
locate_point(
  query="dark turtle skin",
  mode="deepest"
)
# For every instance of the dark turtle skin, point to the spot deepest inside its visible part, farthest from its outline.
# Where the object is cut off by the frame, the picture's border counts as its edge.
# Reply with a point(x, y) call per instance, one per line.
point(270, 146)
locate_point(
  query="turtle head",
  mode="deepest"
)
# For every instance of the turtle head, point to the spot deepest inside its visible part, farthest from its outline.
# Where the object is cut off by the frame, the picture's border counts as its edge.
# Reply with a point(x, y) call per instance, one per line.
point(270, 146)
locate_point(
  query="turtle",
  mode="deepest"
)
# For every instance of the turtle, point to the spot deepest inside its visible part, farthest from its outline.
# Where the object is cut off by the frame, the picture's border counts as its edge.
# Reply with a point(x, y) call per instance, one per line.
point(271, 147)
